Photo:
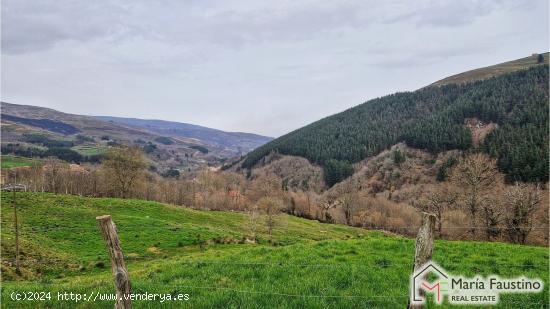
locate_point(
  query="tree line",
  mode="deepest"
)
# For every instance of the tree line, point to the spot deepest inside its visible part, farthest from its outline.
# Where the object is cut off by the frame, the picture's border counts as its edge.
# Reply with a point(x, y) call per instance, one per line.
point(472, 203)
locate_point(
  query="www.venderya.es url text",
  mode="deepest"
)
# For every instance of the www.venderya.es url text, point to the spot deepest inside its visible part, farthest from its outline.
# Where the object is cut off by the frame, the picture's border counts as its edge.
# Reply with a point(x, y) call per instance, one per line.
point(93, 296)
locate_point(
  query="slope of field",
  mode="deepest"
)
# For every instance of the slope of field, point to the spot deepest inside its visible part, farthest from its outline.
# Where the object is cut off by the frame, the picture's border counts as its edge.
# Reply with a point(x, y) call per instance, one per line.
point(169, 249)
point(494, 70)
point(9, 161)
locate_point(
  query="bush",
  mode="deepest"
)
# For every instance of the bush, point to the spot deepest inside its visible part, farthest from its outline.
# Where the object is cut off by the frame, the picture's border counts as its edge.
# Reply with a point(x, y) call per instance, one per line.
point(200, 148)
point(442, 173)
point(64, 154)
point(381, 213)
point(92, 158)
point(17, 150)
point(164, 140)
point(149, 147)
point(34, 138)
point(84, 139)
point(398, 157)
point(172, 173)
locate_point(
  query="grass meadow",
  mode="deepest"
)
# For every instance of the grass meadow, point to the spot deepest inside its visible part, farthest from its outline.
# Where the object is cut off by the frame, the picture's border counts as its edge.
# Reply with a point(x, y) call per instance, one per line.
point(10, 161)
point(206, 254)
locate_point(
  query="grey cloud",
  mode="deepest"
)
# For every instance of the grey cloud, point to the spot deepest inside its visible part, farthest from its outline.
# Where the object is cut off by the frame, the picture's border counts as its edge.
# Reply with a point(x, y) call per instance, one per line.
point(30, 25)
point(450, 13)
point(246, 65)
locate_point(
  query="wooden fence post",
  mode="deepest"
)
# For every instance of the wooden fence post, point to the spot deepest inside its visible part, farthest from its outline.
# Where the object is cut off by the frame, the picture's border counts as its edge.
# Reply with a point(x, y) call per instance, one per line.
point(13, 188)
point(16, 224)
point(120, 274)
point(423, 247)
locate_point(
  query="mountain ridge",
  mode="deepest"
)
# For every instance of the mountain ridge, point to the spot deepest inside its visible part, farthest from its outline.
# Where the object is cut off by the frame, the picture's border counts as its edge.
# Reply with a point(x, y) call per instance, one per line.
point(494, 70)
point(33, 130)
point(233, 140)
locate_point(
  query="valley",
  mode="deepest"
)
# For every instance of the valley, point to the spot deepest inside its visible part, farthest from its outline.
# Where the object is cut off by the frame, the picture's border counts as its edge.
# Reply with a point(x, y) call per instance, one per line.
point(32, 131)
point(324, 216)
point(274, 154)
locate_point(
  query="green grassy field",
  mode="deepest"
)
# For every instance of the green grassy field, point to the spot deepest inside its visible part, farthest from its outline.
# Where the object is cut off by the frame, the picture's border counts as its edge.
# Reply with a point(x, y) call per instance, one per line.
point(9, 161)
point(168, 249)
point(89, 150)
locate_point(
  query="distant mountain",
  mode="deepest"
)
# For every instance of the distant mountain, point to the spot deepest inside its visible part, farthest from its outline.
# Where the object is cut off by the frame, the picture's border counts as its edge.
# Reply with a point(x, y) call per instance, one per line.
point(237, 142)
point(35, 118)
point(509, 112)
point(38, 131)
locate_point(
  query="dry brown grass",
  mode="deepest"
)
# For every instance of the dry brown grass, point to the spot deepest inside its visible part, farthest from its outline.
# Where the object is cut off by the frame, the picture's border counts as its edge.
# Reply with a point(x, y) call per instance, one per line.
point(492, 71)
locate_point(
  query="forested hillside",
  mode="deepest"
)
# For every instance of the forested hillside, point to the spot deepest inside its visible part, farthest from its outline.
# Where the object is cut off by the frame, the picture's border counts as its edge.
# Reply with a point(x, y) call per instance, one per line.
point(433, 119)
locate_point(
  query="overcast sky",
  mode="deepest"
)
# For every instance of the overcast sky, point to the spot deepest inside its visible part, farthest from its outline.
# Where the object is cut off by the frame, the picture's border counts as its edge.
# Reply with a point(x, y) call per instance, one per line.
point(265, 67)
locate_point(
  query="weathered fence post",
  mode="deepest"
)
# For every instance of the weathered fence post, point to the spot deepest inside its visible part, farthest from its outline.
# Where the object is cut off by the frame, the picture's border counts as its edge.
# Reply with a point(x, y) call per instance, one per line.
point(16, 224)
point(120, 274)
point(13, 188)
point(423, 247)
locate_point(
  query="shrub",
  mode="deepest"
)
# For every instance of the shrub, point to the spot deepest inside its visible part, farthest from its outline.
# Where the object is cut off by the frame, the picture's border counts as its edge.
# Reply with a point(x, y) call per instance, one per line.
point(398, 157)
point(164, 140)
point(149, 148)
point(442, 173)
point(64, 154)
point(171, 173)
point(34, 138)
point(200, 148)
point(84, 139)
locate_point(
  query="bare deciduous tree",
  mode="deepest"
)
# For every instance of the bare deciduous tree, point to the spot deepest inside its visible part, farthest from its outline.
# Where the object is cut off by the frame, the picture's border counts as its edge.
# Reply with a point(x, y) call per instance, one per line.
point(437, 201)
point(325, 207)
point(54, 170)
point(476, 174)
point(348, 199)
point(491, 216)
point(271, 208)
point(124, 166)
point(521, 202)
point(253, 221)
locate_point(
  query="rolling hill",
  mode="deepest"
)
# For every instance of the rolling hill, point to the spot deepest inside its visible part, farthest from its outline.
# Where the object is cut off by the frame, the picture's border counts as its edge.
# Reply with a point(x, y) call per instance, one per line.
point(436, 119)
point(31, 130)
point(209, 255)
point(238, 142)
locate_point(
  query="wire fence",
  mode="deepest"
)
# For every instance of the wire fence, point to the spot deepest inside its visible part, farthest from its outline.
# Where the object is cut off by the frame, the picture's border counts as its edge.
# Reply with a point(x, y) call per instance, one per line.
point(123, 226)
point(401, 298)
point(383, 264)
point(231, 237)
point(367, 299)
